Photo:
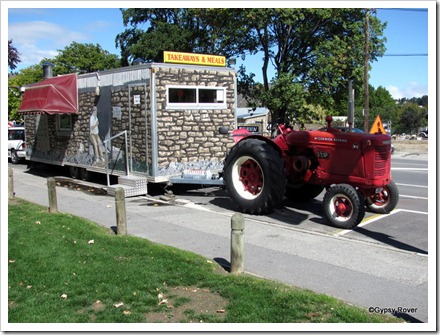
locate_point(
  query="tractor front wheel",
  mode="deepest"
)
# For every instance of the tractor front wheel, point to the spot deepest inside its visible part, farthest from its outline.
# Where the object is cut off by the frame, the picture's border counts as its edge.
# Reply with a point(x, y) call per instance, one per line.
point(254, 176)
point(385, 201)
point(344, 206)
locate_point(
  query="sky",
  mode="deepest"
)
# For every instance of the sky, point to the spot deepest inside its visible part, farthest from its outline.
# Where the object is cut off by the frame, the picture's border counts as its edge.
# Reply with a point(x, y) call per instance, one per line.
point(39, 32)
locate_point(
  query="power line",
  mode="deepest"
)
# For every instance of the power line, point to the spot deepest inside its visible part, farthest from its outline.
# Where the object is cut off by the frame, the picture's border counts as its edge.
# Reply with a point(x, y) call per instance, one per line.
point(405, 55)
point(406, 9)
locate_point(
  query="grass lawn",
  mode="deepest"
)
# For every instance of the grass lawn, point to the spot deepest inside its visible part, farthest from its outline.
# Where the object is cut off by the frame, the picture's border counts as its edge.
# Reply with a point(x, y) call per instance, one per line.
point(66, 269)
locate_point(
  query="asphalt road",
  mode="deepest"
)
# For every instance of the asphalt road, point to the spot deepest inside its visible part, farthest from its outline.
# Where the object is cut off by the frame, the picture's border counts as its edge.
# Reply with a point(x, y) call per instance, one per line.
point(382, 265)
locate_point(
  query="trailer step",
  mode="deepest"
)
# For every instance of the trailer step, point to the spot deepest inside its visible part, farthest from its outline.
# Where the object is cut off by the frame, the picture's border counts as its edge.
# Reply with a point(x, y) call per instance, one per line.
point(132, 186)
point(132, 181)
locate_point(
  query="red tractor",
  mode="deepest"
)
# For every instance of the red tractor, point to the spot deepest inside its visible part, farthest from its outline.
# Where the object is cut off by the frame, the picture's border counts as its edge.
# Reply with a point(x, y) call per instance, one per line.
point(354, 168)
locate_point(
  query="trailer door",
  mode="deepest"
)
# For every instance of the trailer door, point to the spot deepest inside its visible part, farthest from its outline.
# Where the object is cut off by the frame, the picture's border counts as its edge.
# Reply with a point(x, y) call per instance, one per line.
point(139, 148)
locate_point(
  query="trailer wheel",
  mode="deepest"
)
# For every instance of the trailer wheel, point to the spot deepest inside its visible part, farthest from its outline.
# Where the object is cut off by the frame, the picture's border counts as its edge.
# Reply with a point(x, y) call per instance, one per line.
point(74, 172)
point(344, 206)
point(254, 176)
point(303, 193)
point(84, 174)
point(385, 201)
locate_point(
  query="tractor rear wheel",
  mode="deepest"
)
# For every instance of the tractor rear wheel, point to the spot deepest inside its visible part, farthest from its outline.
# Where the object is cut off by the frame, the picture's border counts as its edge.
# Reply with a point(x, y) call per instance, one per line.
point(344, 206)
point(384, 201)
point(254, 176)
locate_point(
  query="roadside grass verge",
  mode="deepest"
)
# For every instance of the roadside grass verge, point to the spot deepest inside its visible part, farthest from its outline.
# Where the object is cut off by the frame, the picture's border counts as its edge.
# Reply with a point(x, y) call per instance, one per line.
point(65, 269)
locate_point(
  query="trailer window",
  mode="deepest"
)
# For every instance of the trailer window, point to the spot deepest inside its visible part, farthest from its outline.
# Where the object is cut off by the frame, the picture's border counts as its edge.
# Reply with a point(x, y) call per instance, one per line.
point(182, 95)
point(64, 124)
point(196, 97)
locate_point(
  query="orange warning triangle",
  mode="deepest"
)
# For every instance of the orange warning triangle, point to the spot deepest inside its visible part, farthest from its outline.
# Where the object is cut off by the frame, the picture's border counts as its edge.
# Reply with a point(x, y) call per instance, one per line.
point(377, 126)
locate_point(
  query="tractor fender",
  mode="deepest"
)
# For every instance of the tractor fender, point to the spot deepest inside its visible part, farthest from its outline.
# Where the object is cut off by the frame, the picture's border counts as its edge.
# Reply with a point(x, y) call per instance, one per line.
point(262, 138)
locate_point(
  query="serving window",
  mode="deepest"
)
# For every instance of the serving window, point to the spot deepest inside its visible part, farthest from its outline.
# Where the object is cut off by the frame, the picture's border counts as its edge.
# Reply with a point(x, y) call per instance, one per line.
point(193, 97)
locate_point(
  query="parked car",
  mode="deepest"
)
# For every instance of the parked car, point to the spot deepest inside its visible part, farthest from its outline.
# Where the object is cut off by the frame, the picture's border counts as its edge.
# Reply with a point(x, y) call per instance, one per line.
point(423, 134)
point(16, 144)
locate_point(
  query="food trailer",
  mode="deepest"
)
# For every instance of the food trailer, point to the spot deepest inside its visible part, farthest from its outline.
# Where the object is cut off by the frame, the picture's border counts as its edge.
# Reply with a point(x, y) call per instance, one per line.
point(154, 122)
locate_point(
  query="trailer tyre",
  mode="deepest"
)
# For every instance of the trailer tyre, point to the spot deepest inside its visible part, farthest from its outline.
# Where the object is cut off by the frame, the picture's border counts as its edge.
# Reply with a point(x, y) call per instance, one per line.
point(74, 172)
point(385, 201)
point(84, 174)
point(344, 206)
point(254, 176)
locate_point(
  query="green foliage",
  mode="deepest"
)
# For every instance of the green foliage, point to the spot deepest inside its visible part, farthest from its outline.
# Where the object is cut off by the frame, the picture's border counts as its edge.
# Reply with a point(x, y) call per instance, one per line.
point(285, 99)
point(321, 47)
point(83, 58)
point(411, 118)
point(76, 57)
point(202, 30)
point(26, 76)
point(324, 48)
point(423, 101)
point(383, 104)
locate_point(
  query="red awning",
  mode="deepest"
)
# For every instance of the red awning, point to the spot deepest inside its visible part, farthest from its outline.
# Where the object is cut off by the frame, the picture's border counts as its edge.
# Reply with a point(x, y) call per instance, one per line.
point(57, 95)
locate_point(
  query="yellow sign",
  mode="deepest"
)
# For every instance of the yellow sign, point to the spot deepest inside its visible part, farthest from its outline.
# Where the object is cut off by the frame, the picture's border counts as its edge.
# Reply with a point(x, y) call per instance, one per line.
point(377, 126)
point(189, 58)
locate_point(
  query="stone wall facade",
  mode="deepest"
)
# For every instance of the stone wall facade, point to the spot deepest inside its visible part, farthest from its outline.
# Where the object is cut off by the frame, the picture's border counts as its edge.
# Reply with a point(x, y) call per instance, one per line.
point(190, 135)
point(139, 119)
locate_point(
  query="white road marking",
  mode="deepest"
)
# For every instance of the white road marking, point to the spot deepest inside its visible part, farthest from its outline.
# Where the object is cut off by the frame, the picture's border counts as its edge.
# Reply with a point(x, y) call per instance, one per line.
point(412, 197)
point(368, 220)
point(416, 212)
point(377, 217)
point(410, 169)
point(410, 185)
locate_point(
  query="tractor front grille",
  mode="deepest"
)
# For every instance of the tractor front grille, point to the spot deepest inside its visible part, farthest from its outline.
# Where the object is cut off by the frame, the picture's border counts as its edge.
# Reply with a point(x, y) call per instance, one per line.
point(382, 158)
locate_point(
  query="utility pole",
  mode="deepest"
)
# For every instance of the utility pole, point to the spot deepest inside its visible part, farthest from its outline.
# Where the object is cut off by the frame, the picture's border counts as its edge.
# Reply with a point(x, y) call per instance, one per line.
point(366, 67)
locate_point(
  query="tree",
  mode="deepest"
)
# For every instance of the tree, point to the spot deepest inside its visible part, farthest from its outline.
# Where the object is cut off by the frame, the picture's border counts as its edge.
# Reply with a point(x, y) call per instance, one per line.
point(383, 104)
point(13, 56)
point(76, 57)
point(411, 118)
point(285, 99)
point(322, 48)
point(211, 31)
point(83, 58)
point(25, 76)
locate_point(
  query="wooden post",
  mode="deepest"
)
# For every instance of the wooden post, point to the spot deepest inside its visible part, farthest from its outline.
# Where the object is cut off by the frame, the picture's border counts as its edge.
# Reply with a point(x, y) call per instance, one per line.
point(237, 243)
point(121, 218)
point(11, 193)
point(51, 188)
